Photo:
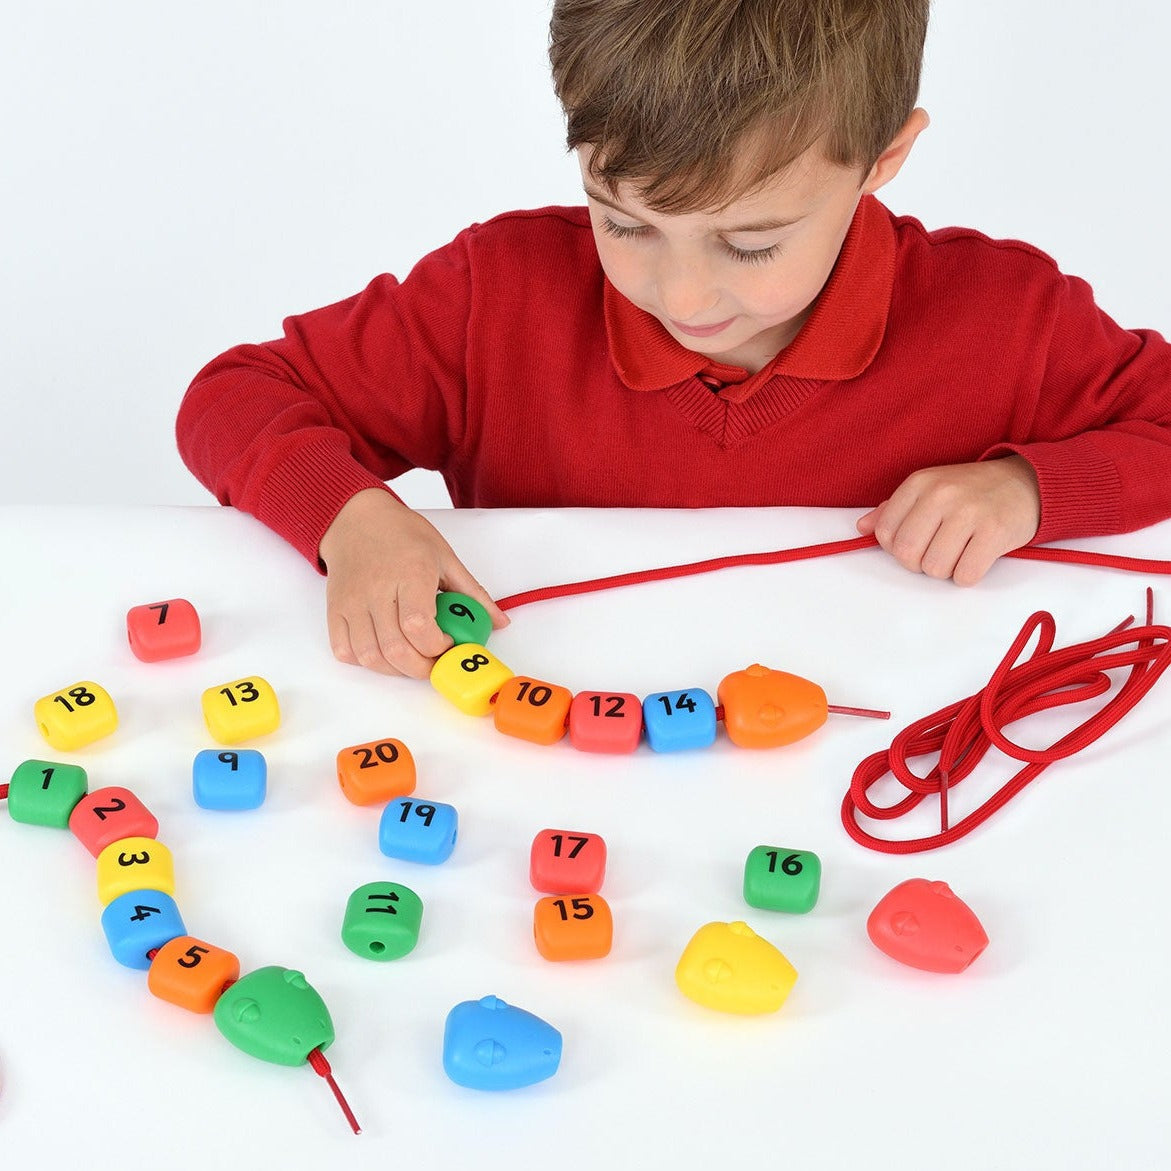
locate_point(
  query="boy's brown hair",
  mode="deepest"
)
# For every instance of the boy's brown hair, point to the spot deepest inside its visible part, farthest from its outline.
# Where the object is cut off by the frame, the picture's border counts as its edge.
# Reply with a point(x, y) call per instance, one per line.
point(671, 92)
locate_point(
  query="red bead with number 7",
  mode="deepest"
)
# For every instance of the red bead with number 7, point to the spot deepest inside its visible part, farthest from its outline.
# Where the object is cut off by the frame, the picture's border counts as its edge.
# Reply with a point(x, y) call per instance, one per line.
point(163, 630)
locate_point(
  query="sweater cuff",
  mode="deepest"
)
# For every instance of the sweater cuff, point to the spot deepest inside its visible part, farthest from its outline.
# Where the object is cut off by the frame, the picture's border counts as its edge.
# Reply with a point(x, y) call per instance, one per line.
point(1080, 489)
point(305, 491)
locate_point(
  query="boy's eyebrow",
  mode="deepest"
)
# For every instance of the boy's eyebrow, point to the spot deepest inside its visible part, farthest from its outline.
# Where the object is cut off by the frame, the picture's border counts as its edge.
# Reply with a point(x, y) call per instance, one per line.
point(765, 225)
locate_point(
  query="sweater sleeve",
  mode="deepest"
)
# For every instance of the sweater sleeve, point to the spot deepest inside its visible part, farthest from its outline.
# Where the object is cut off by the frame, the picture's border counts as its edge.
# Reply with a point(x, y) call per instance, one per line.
point(352, 395)
point(1099, 438)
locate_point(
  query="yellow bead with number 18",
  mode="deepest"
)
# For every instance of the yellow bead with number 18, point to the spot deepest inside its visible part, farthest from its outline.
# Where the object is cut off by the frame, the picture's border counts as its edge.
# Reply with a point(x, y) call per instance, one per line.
point(76, 716)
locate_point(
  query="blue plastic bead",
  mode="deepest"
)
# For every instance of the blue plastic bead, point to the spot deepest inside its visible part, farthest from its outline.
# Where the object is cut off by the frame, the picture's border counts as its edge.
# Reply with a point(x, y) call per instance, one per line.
point(674, 720)
point(418, 831)
point(138, 922)
point(490, 1045)
point(235, 778)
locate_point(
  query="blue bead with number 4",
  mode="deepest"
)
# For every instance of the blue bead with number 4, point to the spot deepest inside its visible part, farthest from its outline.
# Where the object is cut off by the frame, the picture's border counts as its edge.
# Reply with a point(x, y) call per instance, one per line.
point(418, 831)
point(674, 720)
point(234, 778)
point(139, 922)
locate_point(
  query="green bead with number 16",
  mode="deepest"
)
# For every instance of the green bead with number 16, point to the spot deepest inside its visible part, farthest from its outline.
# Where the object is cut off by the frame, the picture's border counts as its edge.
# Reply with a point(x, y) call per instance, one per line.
point(778, 879)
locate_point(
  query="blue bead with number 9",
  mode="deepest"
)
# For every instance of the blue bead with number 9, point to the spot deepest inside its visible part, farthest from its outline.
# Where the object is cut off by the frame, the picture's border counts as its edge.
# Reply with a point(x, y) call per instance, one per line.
point(229, 779)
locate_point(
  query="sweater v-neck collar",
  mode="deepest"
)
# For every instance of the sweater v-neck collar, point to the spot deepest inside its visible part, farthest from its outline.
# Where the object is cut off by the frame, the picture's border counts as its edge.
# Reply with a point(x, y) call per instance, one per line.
point(838, 340)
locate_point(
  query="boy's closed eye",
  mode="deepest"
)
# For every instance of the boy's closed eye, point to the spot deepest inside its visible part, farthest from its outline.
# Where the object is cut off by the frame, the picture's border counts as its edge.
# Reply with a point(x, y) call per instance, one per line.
point(642, 232)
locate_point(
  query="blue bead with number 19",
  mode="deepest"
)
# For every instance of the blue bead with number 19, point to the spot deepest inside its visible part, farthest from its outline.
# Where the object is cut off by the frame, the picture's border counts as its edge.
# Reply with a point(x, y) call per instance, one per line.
point(418, 831)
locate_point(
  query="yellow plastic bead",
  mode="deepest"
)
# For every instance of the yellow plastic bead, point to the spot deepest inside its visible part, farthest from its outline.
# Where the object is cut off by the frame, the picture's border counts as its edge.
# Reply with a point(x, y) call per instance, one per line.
point(134, 864)
point(76, 716)
point(241, 710)
point(728, 967)
point(469, 676)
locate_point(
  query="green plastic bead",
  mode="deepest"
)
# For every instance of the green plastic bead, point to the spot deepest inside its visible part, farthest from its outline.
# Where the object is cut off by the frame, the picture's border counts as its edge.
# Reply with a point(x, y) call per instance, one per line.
point(274, 1014)
point(778, 879)
point(43, 792)
point(382, 921)
point(462, 617)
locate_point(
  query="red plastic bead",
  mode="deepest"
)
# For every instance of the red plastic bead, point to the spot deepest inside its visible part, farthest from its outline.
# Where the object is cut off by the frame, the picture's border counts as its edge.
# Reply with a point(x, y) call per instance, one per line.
point(567, 862)
point(107, 815)
point(163, 630)
point(924, 924)
point(605, 721)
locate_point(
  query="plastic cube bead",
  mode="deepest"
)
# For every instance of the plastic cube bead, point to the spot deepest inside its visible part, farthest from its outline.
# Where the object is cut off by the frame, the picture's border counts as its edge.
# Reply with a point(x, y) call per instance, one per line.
point(469, 676)
point(605, 721)
point(108, 815)
point(136, 863)
point(43, 792)
point(777, 879)
point(163, 630)
point(532, 710)
point(382, 921)
point(764, 708)
point(241, 710)
point(140, 922)
point(463, 618)
point(418, 831)
point(76, 716)
point(566, 862)
point(229, 779)
point(371, 774)
point(192, 974)
point(728, 967)
point(573, 927)
point(675, 720)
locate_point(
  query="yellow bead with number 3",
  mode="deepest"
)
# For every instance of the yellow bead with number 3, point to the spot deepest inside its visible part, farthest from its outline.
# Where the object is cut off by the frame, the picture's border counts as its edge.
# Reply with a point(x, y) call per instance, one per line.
point(469, 675)
point(134, 864)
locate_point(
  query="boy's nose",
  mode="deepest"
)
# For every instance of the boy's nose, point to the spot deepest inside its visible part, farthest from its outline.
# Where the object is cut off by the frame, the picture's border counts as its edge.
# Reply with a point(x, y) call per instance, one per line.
point(686, 295)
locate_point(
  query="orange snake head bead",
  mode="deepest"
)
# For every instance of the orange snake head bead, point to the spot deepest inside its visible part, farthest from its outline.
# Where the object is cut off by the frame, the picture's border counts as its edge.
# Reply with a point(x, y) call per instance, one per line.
point(764, 708)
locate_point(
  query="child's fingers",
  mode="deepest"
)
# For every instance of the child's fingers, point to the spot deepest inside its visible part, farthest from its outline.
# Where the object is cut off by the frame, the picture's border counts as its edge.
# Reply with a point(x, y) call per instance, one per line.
point(459, 579)
point(416, 620)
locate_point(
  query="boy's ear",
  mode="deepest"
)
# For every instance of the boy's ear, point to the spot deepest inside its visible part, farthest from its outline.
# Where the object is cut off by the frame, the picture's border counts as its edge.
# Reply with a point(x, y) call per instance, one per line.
point(890, 162)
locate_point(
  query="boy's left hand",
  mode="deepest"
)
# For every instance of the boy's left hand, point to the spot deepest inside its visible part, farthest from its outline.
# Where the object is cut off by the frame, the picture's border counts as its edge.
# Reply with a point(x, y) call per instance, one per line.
point(957, 521)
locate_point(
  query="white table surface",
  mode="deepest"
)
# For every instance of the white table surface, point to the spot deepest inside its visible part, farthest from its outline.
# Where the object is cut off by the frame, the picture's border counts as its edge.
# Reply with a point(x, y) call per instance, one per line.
point(1051, 1051)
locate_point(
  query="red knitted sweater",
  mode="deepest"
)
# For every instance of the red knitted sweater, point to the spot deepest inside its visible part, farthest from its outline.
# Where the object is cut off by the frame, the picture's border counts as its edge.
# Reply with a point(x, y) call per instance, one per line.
point(506, 361)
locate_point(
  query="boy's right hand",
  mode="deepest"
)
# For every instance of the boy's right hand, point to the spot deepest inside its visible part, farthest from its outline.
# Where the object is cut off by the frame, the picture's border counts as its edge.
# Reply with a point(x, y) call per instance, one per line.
point(385, 564)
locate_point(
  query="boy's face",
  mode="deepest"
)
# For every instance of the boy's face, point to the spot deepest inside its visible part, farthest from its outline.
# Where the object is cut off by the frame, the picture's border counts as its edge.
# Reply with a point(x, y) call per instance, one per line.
point(735, 285)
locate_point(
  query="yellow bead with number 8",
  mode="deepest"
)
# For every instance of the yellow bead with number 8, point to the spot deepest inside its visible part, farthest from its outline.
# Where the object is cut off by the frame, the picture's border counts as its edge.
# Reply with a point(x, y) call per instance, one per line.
point(76, 716)
point(241, 710)
point(469, 675)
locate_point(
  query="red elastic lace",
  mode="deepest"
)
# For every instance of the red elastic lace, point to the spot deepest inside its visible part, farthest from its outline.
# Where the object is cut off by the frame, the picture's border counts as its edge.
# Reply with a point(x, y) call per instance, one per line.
point(962, 732)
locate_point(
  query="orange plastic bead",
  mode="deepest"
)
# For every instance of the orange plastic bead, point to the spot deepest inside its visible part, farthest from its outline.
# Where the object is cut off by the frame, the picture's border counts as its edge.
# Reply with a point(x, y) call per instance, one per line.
point(764, 708)
point(191, 973)
point(532, 710)
point(374, 773)
point(573, 927)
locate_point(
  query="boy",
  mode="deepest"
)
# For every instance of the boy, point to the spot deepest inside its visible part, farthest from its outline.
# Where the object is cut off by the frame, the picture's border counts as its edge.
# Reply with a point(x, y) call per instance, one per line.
point(733, 321)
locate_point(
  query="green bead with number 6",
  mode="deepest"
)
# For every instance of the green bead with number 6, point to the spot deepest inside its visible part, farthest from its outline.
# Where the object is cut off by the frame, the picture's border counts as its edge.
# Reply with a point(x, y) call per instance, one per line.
point(462, 617)
point(778, 879)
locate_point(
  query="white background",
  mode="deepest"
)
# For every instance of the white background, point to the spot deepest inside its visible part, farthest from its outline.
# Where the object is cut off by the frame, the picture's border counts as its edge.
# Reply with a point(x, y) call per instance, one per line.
point(176, 179)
